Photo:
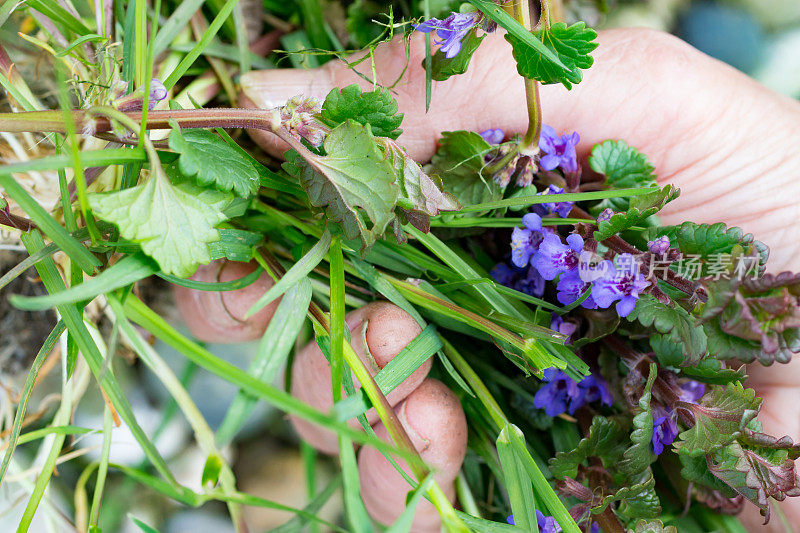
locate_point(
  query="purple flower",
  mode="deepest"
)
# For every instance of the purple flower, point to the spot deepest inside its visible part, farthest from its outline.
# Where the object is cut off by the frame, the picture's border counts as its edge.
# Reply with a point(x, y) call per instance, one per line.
point(595, 528)
point(525, 280)
point(659, 246)
point(157, 93)
point(547, 524)
point(525, 241)
point(565, 327)
point(555, 395)
point(605, 214)
point(571, 286)
point(450, 30)
point(620, 284)
point(665, 429)
point(691, 391)
point(591, 388)
point(554, 257)
point(559, 151)
point(510, 519)
point(493, 136)
point(561, 209)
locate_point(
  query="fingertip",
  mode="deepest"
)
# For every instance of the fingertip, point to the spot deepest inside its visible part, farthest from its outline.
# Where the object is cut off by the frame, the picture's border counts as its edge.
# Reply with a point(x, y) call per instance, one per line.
point(219, 316)
point(389, 329)
point(434, 420)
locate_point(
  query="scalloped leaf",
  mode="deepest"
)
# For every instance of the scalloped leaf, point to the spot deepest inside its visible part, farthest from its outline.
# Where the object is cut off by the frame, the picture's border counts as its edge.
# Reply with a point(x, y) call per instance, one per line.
point(376, 108)
point(674, 321)
point(709, 240)
point(607, 440)
point(571, 44)
point(624, 167)
point(171, 225)
point(459, 162)
point(354, 183)
point(719, 419)
point(652, 526)
point(638, 458)
point(641, 208)
point(638, 500)
point(209, 160)
point(756, 473)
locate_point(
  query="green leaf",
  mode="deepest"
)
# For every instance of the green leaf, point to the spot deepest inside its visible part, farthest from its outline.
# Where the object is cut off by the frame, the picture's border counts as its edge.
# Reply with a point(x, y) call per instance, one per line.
point(235, 245)
point(571, 44)
point(517, 483)
point(638, 458)
point(498, 14)
point(674, 321)
point(637, 500)
point(695, 470)
point(210, 161)
point(459, 162)
point(709, 240)
point(124, 272)
point(624, 167)
point(422, 192)
point(141, 525)
point(756, 473)
point(376, 108)
point(211, 471)
point(299, 271)
point(641, 208)
point(172, 226)
point(652, 526)
point(443, 67)
point(607, 440)
point(719, 419)
point(355, 184)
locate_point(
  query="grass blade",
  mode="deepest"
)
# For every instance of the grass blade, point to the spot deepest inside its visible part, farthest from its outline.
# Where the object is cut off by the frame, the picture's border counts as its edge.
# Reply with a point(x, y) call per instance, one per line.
point(273, 350)
point(126, 271)
point(298, 271)
point(27, 389)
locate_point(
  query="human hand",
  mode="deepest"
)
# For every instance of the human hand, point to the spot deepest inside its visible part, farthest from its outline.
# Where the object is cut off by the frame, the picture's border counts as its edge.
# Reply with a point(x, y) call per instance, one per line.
point(719, 136)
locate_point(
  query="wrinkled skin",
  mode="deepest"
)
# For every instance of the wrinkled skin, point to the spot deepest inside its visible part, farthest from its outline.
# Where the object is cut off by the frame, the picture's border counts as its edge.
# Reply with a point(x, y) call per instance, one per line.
point(730, 144)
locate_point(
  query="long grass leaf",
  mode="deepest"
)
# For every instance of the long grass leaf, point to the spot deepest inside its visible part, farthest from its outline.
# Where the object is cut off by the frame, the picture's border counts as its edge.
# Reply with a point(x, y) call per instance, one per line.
point(126, 271)
point(273, 351)
point(77, 329)
point(298, 271)
point(27, 389)
point(145, 317)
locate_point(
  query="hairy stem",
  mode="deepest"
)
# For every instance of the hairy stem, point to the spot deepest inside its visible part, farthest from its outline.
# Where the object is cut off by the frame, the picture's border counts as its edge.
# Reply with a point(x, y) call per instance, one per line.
point(530, 142)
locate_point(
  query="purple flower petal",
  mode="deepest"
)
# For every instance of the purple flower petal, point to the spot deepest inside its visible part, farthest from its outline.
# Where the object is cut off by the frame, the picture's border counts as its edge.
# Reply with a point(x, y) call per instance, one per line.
point(493, 136)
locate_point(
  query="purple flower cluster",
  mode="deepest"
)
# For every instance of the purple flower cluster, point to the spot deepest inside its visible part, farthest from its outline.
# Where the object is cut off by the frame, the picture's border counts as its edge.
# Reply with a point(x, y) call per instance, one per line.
point(561, 394)
point(665, 426)
point(576, 268)
point(547, 524)
point(659, 246)
point(450, 30)
point(526, 280)
point(561, 209)
point(558, 151)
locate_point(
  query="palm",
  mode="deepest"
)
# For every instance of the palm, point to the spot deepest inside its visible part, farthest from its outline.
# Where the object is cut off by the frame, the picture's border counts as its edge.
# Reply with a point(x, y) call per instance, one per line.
point(720, 137)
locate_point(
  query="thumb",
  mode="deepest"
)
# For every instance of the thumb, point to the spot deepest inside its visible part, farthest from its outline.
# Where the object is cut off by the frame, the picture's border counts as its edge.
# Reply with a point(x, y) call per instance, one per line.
point(707, 128)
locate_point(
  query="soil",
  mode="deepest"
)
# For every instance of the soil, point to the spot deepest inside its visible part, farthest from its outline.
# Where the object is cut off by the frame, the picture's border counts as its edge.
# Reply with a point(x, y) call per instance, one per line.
point(22, 333)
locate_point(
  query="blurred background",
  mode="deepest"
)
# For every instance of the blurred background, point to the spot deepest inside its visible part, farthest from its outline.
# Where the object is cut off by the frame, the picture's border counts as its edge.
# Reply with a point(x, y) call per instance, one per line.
point(759, 37)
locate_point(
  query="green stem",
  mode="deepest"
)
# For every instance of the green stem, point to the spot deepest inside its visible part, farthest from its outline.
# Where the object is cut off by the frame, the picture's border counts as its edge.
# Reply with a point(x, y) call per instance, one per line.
point(530, 142)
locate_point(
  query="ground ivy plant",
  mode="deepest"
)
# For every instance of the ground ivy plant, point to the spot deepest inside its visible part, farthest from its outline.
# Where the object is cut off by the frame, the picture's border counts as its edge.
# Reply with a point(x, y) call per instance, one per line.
point(598, 353)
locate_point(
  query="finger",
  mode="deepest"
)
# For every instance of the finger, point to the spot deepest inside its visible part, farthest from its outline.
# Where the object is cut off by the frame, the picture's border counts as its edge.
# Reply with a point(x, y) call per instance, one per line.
point(434, 420)
point(220, 316)
point(378, 332)
point(708, 128)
